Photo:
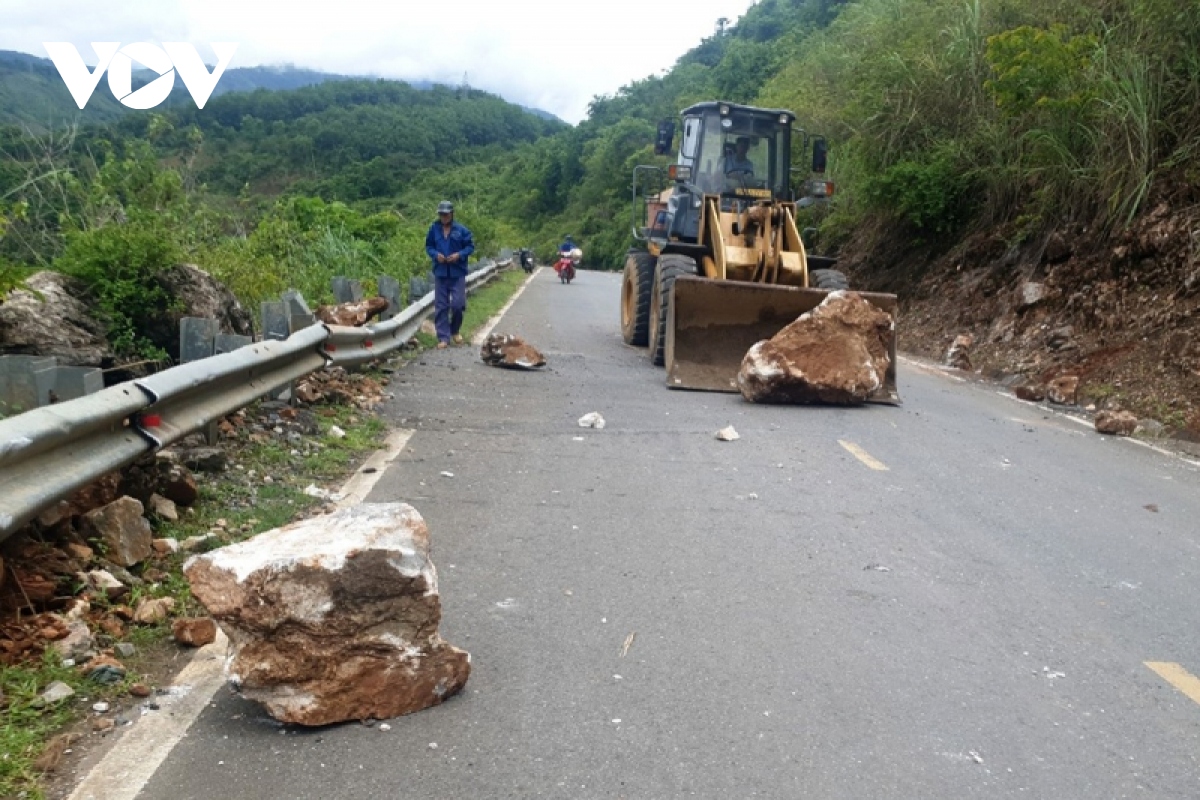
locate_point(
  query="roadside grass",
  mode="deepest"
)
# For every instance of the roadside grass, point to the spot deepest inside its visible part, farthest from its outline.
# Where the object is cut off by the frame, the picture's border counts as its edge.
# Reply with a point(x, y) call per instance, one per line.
point(247, 504)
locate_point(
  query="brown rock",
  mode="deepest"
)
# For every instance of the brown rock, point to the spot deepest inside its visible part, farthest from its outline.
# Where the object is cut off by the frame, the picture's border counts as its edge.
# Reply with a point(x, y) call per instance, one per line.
point(99, 492)
point(103, 724)
point(1063, 390)
point(152, 610)
point(836, 353)
point(511, 352)
point(140, 690)
point(178, 485)
point(194, 631)
point(1116, 423)
point(959, 354)
point(1031, 392)
point(354, 314)
point(122, 530)
point(334, 618)
point(79, 551)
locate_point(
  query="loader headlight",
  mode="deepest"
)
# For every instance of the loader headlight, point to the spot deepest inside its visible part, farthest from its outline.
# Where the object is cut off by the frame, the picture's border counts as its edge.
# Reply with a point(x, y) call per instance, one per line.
point(724, 110)
point(783, 119)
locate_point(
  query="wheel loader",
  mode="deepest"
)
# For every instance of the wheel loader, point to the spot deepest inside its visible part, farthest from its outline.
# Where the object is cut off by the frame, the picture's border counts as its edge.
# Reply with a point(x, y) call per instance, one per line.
point(719, 262)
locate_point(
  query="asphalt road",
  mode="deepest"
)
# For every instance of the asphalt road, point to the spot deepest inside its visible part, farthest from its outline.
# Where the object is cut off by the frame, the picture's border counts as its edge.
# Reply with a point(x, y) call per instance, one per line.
point(653, 613)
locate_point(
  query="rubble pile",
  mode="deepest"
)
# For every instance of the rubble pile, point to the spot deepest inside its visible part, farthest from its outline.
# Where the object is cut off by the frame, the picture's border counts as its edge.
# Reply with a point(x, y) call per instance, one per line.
point(338, 386)
point(354, 314)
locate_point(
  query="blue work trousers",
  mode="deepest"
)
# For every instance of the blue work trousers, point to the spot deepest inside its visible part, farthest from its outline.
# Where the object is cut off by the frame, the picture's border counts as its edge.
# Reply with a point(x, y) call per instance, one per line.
point(449, 303)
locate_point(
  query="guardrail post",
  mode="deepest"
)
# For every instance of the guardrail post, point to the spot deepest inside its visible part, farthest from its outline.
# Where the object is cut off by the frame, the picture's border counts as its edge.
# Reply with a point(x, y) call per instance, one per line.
point(389, 288)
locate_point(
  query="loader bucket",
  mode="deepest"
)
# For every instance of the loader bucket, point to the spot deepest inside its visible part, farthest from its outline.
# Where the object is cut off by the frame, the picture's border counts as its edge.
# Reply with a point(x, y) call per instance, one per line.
point(712, 323)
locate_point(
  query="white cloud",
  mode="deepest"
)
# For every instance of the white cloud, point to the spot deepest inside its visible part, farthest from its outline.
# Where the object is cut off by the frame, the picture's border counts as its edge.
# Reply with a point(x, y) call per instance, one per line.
point(552, 55)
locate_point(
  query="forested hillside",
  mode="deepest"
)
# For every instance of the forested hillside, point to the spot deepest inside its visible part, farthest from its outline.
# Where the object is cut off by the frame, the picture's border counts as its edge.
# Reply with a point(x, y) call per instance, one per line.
point(958, 129)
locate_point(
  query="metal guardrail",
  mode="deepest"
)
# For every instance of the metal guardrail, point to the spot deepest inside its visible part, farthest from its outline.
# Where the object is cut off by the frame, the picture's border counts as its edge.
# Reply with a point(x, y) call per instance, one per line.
point(49, 453)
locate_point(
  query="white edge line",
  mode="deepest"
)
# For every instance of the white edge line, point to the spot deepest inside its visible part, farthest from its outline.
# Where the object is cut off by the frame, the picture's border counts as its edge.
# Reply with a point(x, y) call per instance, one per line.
point(136, 756)
point(131, 763)
point(362, 482)
point(490, 325)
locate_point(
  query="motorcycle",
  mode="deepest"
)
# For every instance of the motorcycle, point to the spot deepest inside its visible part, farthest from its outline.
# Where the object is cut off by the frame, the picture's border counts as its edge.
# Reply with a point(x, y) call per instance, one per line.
point(527, 262)
point(567, 261)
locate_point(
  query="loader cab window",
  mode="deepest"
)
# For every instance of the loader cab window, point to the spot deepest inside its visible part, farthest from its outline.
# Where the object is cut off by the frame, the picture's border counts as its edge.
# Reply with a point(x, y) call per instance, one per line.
point(691, 138)
point(744, 155)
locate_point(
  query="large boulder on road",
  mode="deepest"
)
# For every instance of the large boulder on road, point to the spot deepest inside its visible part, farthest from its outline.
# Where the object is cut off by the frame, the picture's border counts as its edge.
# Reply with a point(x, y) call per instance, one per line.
point(836, 353)
point(334, 618)
point(46, 317)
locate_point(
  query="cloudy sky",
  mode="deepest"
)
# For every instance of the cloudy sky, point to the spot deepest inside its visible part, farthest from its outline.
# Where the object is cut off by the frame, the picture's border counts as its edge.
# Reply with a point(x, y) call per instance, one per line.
point(552, 55)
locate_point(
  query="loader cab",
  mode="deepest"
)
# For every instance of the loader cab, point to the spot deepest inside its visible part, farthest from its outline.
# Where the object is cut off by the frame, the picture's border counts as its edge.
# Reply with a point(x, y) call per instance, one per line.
point(738, 152)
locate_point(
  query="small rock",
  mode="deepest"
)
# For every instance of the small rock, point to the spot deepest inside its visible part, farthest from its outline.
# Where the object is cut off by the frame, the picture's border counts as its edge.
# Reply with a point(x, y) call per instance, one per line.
point(385, 727)
point(592, 420)
point(78, 644)
point(139, 690)
point(194, 632)
point(55, 692)
point(79, 551)
point(100, 708)
point(152, 610)
point(124, 649)
point(178, 485)
point(1030, 294)
point(447, 474)
point(727, 434)
point(163, 508)
point(165, 546)
point(958, 356)
point(1030, 392)
point(337, 432)
point(105, 583)
point(194, 542)
point(1063, 390)
point(204, 459)
point(123, 530)
point(1117, 423)
point(103, 725)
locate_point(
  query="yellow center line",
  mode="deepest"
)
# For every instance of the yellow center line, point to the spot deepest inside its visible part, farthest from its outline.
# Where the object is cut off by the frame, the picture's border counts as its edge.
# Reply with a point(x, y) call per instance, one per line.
point(1178, 677)
point(863, 456)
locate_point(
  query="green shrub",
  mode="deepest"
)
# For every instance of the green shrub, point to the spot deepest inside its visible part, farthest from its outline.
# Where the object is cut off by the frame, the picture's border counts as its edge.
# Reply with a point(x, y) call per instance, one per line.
point(120, 265)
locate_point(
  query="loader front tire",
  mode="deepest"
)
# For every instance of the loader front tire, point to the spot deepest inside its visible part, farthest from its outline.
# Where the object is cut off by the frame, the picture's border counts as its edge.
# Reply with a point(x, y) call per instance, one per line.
point(670, 267)
point(636, 288)
point(828, 279)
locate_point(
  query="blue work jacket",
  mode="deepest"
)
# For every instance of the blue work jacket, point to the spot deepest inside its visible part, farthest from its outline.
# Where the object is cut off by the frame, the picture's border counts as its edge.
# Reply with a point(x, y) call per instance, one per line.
point(459, 241)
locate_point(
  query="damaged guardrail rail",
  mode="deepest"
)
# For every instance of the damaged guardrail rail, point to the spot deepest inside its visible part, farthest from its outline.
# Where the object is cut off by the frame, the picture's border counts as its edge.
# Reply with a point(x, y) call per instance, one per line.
point(49, 453)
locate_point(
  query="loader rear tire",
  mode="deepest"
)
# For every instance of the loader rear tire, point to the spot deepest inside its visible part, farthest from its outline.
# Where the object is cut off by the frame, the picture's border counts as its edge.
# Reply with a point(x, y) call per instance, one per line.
point(828, 279)
point(636, 287)
point(670, 267)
